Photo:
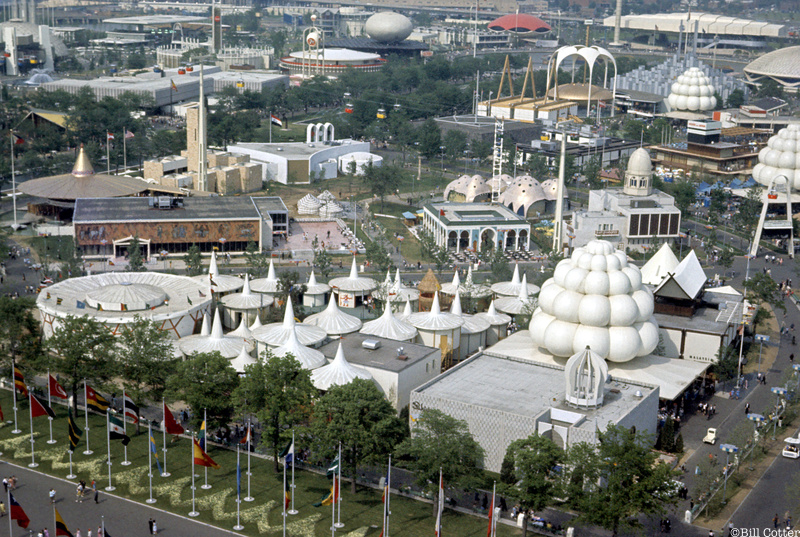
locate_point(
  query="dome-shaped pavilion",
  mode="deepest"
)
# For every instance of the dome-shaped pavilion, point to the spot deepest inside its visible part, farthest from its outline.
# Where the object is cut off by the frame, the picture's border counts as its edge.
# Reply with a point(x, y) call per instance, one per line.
point(338, 373)
point(333, 320)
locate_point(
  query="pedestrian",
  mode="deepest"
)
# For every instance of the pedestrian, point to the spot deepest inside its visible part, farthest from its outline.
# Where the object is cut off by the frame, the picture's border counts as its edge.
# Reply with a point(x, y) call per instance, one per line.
point(710, 533)
point(78, 533)
point(775, 521)
point(150, 525)
point(96, 496)
point(791, 358)
point(52, 495)
point(2, 509)
point(79, 493)
point(155, 527)
point(747, 408)
point(89, 533)
point(730, 529)
point(46, 533)
point(5, 484)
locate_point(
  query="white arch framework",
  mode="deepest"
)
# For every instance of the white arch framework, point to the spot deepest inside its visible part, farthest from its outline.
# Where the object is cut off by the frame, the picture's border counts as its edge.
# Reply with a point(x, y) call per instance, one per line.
point(591, 55)
point(319, 132)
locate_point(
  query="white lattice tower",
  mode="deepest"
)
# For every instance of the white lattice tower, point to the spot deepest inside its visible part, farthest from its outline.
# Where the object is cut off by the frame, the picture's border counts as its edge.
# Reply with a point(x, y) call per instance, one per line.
point(497, 158)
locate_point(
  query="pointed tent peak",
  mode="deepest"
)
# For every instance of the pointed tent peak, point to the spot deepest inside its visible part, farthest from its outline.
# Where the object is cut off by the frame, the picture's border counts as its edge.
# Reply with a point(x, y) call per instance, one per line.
point(340, 359)
point(492, 310)
point(455, 308)
point(407, 310)
point(397, 280)
point(205, 330)
point(387, 311)
point(312, 279)
point(216, 327)
point(83, 167)
point(468, 282)
point(456, 280)
point(256, 323)
point(388, 281)
point(515, 277)
point(435, 308)
point(292, 342)
point(243, 331)
point(246, 288)
point(271, 272)
point(354, 270)
point(523, 290)
point(213, 270)
point(243, 360)
point(333, 307)
point(288, 315)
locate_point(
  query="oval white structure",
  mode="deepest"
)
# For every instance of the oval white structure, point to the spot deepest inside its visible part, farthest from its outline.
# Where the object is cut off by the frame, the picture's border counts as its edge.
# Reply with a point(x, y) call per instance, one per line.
point(388, 27)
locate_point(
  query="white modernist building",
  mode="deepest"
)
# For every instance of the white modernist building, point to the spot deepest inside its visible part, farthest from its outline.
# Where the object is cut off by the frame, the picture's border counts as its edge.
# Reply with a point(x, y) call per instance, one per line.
point(461, 226)
point(636, 216)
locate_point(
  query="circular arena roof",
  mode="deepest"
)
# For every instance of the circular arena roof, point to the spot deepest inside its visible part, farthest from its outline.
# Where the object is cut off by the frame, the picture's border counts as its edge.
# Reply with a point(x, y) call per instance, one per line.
point(782, 65)
point(341, 55)
point(520, 23)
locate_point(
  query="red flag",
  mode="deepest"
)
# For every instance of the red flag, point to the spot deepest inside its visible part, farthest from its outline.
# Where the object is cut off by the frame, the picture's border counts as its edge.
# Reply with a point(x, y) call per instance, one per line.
point(56, 390)
point(109, 136)
point(17, 513)
point(172, 426)
point(18, 140)
point(201, 458)
point(246, 438)
point(2, 418)
point(19, 382)
point(491, 514)
point(39, 408)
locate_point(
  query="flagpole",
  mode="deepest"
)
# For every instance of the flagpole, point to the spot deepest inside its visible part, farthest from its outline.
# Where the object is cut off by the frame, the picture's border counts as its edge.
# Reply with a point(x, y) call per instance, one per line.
point(333, 506)
point(492, 518)
point(126, 462)
point(110, 487)
point(33, 455)
point(238, 526)
point(249, 498)
point(49, 418)
point(164, 449)
point(14, 182)
point(194, 512)
point(385, 497)
point(205, 485)
point(10, 525)
point(86, 417)
point(71, 474)
point(108, 159)
point(284, 497)
point(388, 496)
point(339, 497)
point(270, 141)
point(125, 148)
point(149, 460)
point(293, 511)
point(16, 430)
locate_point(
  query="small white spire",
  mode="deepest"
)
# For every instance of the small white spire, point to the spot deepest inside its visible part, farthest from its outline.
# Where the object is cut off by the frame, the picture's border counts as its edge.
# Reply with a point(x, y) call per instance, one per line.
point(312, 279)
point(242, 331)
point(515, 277)
point(213, 270)
point(456, 280)
point(397, 280)
point(492, 310)
point(271, 272)
point(407, 310)
point(205, 329)
point(354, 270)
point(332, 308)
point(435, 308)
point(388, 281)
point(216, 327)
point(523, 290)
point(256, 323)
point(288, 316)
point(455, 308)
point(246, 288)
point(468, 282)
point(339, 359)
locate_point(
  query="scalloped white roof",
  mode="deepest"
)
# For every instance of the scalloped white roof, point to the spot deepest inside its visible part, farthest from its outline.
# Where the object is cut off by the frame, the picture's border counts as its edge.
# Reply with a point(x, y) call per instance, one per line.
point(659, 266)
point(308, 204)
point(276, 334)
point(243, 360)
point(309, 358)
point(595, 298)
point(469, 287)
point(268, 284)
point(522, 193)
point(406, 313)
point(338, 372)
point(256, 324)
point(436, 319)
point(242, 331)
point(494, 317)
point(316, 288)
point(781, 156)
point(468, 186)
point(333, 320)
point(329, 209)
point(512, 288)
point(692, 91)
point(390, 327)
point(227, 346)
point(354, 282)
point(472, 323)
point(224, 283)
point(518, 304)
point(246, 300)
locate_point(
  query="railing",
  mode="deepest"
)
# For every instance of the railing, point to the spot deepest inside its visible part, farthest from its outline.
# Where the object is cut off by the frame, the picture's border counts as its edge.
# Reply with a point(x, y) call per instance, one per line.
point(606, 233)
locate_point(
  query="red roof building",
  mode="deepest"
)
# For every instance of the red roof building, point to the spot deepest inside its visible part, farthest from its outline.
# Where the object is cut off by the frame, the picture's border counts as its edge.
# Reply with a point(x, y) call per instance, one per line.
point(520, 23)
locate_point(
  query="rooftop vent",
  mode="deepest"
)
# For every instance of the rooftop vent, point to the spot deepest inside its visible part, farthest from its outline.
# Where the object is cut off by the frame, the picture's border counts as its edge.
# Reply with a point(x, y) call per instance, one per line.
point(371, 344)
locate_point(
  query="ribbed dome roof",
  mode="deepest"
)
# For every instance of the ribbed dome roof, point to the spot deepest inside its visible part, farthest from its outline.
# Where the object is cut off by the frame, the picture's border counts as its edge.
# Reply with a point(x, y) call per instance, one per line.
point(268, 284)
point(308, 204)
point(338, 373)
point(313, 287)
point(276, 334)
point(330, 209)
point(227, 346)
point(692, 91)
point(354, 282)
point(494, 317)
point(781, 63)
point(468, 186)
point(133, 296)
point(333, 320)
point(519, 23)
point(521, 194)
point(246, 300)
point(436, 319)
point(390, 327)
point(308, 358)
point(639, 163)
point(550, 188)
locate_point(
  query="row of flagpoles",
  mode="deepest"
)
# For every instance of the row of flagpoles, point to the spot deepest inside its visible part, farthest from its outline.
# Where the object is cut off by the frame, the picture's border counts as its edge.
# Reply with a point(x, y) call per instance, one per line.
point(17, 513)
point(126, 135)
point(117, 430)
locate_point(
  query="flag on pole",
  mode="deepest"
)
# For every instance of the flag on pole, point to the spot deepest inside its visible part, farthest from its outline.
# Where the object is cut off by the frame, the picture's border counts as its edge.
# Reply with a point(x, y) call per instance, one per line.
point(17, 513)
point(201, 438)
point(19, 382)
point(109, 136)
point(18, 140)
point(2, 418)
point(172, 426)
point(174, 87)
point(61, 526)
point(333, 469)
point(154, 451)
point(288, 453)
point(287, 496)
point(80, 305)
point(116, 430)
point(330, 497)
point(440, 507)
point(247, 437)
point(128, 134)
point(95, 400)
point(275, 120)
point(130, 408)
point(491, 516)
point(56, 389)
point(201, 458)
point(74, 432)
point(40, 408)
point(238, 475)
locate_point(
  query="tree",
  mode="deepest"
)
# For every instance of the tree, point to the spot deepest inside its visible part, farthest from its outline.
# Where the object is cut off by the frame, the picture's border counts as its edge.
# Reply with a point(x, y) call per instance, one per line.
point(135, 261)
point(382, 180)
point(377, 255)
point(193, 260)
point(455, 142)
point(717, 205)
point(86, 350)
point(535, 459)
point(726, 257)
point(537, 167)
point(359, 416)
point(256, 259)
point(205, 381)
point(430, 139)
point(279, 390)
point(322, 259)
point(632, 482)
point(146, 359)
point(440, 441)
point(770, 88)
point(762, 289)
point(735, 99)
point(19, 331)
point(748, 212)
point(592, 172)
point(685, 195)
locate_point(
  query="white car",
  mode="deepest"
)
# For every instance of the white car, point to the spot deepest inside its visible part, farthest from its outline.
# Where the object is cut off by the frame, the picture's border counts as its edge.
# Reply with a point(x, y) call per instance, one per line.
point(711, 436)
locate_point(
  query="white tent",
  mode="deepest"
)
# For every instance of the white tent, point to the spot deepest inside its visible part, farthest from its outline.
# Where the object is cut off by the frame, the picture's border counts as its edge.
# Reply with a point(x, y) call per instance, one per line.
point(268, 285)
point(219, 283)
point(308, 358)
point(338, 373)
point(686, 282)
point(512, 288)
point(315, 291)
point(276, 334)
point(390, 327)
point(227, 346)
point(242, 361)
point(518, 304)
point(407, 311)
point(333, 320)
point(659, 266)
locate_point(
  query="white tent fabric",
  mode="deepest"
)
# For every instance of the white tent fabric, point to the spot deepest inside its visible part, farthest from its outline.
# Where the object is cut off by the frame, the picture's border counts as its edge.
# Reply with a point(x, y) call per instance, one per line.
point(313, 287)
point(468, 288)
point(219, 283)
point(354, 282)
point(518, 304)
point(390, 327)
point(242, 361)
point(689, 276)
point(436, 319)
point(308, 358)
point(494, 317)
point(659, 266)
point(407, 311)
point(338, 373)
point(330, 209)
point(268, 284)
point(327, 196)
point(308, 204)
point(333, 320)
point(276, 334)
point(227, 346)
point(472, 323)
point(243, 331)
point(246, 300)
point(256, 324)
point(205, 329)
point(512, 288)
point(395, 291)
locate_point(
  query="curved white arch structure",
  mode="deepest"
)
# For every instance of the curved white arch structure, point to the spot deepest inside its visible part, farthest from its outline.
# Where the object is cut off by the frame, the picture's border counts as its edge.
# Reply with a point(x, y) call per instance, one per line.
point(591, 55)
point(319, 132)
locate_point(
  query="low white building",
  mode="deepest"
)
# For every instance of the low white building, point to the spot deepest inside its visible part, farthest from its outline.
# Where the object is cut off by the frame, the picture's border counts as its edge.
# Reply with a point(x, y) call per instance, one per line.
point(460, 226)
point(636, 216)
point(362, 161)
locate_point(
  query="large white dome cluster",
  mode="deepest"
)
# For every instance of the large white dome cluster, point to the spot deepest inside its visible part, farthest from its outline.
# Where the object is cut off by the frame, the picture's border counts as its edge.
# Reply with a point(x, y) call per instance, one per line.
point(596, 299)
point(781, 157)
point(692, 91)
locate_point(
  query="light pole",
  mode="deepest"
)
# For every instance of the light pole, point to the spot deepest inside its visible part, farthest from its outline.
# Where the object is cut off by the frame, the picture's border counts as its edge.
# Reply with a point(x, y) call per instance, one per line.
point(466, 156)
point(778, 391)
point(728, 449)
point(761, 339)
point(796, 368)
point(756, 419)
point(441, 152)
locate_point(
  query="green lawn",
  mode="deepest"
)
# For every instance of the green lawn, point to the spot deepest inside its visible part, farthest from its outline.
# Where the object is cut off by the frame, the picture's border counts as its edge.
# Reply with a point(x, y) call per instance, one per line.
point(361, 512)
